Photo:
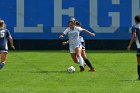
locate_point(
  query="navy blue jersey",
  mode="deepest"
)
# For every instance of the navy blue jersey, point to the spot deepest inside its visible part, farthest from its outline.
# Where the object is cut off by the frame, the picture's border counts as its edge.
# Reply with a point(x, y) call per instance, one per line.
point(4, 35)
point(136, 29)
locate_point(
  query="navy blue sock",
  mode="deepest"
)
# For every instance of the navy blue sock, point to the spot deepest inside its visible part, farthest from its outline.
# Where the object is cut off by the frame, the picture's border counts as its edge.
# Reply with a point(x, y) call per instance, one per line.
point(139, 71)
point(82, 68)
point(88, 63)
point(1, 65)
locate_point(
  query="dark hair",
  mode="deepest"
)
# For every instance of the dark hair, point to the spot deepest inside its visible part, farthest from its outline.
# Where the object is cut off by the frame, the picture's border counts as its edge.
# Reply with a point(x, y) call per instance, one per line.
point(137, 18)
point(71, 22)
point(78, 23)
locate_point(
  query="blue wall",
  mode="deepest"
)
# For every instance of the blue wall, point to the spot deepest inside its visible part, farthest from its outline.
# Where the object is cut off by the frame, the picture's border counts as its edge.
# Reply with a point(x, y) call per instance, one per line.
point(46, 19)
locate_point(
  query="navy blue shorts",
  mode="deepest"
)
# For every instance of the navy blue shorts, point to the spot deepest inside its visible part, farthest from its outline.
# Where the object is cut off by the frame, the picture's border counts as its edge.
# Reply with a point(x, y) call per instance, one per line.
point(83, 46)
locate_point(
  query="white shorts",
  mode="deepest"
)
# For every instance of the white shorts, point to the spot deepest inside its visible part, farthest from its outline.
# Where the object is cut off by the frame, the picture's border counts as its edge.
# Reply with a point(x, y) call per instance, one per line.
point(72, 48)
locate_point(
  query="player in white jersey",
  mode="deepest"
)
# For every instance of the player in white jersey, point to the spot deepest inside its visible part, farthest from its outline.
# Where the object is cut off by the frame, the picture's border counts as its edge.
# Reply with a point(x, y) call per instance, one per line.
point(136, 37)
point(4, 36)
point(83, 54)
point(87, 61)
point(75, 46)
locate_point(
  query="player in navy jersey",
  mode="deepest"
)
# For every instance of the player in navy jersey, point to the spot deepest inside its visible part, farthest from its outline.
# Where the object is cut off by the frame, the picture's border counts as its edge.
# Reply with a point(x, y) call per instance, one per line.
point(136, 37)
point(83, 53)
point(75, 46)
point(4, 36)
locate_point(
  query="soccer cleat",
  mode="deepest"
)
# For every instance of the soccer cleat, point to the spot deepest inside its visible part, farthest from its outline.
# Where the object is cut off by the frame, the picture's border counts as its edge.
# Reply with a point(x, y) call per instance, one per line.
point(1, 65)
point(81, 69)
point(92, 70)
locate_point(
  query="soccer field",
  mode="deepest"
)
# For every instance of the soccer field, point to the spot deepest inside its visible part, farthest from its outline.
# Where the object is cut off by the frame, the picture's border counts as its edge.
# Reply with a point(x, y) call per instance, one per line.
point(45, 72)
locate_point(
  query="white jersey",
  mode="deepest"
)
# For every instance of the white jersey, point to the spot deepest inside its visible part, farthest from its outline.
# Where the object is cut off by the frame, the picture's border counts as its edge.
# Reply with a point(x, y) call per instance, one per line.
point(81, 39)
point(73, 35)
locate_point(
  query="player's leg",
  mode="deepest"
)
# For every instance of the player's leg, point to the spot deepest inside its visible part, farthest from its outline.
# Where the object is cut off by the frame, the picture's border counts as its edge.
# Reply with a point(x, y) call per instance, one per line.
point(3, 59)
point(81, 61)
point(84, 54)
point(73, 54)
point(87, 61)
point(138, 63)
point(138, 67)
point(74, 58)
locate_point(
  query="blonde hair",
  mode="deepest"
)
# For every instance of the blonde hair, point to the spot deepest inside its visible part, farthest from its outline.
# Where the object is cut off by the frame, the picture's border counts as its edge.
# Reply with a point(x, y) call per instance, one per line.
point(2, 24)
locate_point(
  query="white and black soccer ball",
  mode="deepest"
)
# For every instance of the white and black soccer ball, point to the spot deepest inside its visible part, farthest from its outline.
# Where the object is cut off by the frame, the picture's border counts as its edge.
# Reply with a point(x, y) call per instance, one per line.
point(71, 69)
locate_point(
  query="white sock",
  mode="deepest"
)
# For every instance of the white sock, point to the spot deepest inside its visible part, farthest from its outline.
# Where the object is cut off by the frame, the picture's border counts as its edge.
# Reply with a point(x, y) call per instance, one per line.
point(78, 61)
point(81, 61)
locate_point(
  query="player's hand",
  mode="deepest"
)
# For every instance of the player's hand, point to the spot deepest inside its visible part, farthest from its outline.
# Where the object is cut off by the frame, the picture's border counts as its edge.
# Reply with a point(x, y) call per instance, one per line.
point(129, 47)
point(64, 43)
point(61, 36)
point(13, 47)
point(92, 34)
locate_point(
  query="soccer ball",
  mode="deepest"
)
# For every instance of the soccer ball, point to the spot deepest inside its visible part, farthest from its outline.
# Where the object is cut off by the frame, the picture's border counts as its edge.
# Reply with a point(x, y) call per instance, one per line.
point(71, 69)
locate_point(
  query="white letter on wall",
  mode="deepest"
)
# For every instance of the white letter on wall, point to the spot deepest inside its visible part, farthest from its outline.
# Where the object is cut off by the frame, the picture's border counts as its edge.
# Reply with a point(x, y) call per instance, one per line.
point(135, 9)
point(94, 18)
point(20, 20)
point(58, 12)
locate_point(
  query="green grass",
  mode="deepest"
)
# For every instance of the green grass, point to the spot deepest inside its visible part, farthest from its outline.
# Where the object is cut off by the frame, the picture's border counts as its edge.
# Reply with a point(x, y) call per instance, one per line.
point(45, 72)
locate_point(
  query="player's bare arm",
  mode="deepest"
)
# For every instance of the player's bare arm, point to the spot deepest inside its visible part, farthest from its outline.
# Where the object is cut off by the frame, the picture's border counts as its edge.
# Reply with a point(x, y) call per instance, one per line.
point(65, 43)
point(62, 36)
point(131, 41)
point(92, 34)
point(11, 42)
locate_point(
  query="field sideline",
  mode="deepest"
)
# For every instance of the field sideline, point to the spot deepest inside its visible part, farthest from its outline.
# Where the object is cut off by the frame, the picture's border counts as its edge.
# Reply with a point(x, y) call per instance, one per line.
point(45, 72)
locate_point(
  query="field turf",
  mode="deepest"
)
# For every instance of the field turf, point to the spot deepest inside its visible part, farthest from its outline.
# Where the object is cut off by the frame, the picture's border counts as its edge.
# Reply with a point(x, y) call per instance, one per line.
point(45, 72)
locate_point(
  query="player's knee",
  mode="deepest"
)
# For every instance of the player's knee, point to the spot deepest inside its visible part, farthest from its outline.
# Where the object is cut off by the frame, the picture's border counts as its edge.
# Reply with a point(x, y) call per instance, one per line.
point(78, 55)
point(75, 60)
point(3, 59)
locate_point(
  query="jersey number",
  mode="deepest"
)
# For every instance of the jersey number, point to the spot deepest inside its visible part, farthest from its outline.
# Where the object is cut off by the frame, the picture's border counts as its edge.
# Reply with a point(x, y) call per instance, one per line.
point(2, 33)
